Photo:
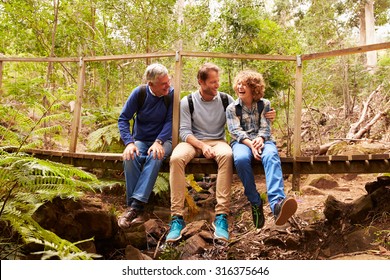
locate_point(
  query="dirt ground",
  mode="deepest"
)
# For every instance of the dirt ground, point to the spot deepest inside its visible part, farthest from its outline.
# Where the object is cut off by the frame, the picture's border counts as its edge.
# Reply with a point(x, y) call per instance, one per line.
point(307, 236)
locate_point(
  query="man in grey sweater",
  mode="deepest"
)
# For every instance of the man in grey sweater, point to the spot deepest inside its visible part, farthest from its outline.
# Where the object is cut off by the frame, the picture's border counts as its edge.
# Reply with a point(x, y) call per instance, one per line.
point(203, 135)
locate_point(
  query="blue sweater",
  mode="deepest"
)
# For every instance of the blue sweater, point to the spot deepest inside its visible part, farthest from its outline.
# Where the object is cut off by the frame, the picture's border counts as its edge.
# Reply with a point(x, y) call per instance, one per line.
point(153, 121)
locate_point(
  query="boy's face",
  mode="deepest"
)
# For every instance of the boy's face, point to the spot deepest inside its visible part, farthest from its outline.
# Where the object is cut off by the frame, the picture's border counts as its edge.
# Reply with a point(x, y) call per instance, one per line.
point(243, 91)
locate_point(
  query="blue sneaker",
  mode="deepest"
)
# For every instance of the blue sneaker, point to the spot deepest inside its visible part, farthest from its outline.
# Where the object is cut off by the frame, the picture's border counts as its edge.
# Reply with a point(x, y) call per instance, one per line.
point(221, 227)
point(177, 225)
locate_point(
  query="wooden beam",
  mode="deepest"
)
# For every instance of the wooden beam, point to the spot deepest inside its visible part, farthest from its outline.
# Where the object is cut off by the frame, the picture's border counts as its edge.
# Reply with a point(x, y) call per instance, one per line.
point(355, 50)
point(240, 56)
point(39, 59)
point(297, 120)
point(129, 56)
point(77, 110)
point(357, 164)
point(176, 100)
point(1, 77)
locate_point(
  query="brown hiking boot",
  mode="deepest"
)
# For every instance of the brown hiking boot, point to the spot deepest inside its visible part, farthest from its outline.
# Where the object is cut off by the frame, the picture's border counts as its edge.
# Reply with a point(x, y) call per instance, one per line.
point(129, 218)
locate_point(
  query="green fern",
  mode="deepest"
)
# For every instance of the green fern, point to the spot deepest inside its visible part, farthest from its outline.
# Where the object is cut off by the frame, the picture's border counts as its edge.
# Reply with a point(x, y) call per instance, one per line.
point(162, 183)
point(103, 138)
point(25, 184)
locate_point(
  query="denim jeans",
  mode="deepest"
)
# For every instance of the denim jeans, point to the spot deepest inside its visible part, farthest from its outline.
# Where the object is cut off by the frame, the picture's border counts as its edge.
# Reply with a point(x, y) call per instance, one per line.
point(141, 173)
point(242, 156)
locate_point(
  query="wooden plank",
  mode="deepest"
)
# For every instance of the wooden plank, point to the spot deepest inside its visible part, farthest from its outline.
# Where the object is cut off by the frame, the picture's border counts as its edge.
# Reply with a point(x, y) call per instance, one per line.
point(129, 56)
point(348, 51)
point(297, 120)
point(303, 165)
point(240, 56)
point(1, 77)
point(39, 59)
point(176, 100)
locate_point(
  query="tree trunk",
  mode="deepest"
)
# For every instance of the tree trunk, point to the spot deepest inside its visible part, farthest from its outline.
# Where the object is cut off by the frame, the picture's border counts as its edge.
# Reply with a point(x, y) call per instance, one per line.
point(56, 4)
point(370, 33)
point(50, 67)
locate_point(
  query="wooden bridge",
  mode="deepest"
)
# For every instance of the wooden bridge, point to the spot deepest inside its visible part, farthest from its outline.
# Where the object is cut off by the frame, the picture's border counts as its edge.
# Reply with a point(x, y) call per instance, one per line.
point(296, 164)
point(372, 163)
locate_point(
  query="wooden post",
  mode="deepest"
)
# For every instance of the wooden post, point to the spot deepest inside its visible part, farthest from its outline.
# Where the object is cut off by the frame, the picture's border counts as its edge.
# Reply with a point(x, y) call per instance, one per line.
point(176, 100)
point(77, 109)
point(1, 77)
point(297, 122)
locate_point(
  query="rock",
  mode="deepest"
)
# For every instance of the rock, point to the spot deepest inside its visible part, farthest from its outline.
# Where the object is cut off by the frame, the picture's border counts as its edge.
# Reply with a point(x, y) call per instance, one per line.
point(334, 209)
point(322, 181)
point(132, 253)
point(194, 228)
point(194, 245)
point(310, 190)
point(360, 240)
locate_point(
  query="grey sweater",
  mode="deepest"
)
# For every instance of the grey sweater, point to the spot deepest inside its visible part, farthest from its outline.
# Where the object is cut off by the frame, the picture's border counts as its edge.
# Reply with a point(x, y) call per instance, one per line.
point(208, 119)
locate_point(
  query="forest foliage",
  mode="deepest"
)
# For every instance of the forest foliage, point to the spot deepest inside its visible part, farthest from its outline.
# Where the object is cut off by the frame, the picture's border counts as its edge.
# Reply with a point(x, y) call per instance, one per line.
point(37, 98)
point(57, 28)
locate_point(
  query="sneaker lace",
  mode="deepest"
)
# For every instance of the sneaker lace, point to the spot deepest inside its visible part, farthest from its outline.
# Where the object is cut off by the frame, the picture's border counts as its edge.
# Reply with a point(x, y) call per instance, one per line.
point(176, 223)
point(221, 221)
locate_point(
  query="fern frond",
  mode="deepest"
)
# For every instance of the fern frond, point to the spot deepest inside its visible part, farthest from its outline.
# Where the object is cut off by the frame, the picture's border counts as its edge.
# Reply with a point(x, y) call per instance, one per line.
point(56, 117)
point(103, 137)
point(162, 183)
point(8, 137)
point(25, 184)
point(47, 130)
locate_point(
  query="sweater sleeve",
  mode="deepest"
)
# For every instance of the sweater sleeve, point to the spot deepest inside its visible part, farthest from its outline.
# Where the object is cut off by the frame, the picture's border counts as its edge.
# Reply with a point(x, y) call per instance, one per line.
point(127, 113)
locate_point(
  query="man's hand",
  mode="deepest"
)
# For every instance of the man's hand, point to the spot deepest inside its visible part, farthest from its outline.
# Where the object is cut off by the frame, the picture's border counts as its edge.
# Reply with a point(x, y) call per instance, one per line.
point(208, 151)
point(270, 115)
point(157, 150)
point(129, 151)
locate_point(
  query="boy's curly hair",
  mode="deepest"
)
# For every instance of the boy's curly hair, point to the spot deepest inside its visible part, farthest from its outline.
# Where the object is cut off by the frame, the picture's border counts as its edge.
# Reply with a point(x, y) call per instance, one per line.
point(253, 80)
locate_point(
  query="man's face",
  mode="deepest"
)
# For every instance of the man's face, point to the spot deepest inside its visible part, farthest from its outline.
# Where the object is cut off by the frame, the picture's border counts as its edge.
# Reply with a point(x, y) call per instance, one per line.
point(210, 87)
point(161, 85)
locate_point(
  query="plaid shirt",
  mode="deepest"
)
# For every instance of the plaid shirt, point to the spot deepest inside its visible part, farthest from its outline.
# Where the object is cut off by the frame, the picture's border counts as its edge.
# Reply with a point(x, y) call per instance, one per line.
point(249, 127)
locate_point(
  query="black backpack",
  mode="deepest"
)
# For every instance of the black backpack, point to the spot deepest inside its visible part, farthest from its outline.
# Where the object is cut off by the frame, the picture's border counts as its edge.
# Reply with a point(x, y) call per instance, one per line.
point(224, 97)
point(260, 108)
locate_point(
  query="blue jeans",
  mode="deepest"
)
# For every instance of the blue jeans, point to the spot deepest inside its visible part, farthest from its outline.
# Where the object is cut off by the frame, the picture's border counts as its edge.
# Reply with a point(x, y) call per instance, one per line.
point(141, 173)
point(242, 156)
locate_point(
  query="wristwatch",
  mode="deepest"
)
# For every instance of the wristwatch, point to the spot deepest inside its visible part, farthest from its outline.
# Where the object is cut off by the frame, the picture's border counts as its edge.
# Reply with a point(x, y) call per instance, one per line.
point(159, 141)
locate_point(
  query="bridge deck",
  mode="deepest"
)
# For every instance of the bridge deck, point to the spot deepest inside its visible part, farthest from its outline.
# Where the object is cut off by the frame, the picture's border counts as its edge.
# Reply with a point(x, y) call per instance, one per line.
point(372, 163)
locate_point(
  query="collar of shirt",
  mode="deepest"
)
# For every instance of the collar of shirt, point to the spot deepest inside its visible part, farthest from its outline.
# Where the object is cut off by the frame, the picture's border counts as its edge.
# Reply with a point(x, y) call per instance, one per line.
point(201, 98)
point(151, 91)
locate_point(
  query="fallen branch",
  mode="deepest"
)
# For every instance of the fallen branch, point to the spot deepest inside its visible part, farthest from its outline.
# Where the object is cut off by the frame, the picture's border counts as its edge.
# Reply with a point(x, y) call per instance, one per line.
point(354, 127)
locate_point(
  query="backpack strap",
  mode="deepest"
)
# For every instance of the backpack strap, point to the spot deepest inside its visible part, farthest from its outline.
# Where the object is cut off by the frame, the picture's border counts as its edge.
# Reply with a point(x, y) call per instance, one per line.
point(167, 101)
point(260, 108)
point(190, 104)
point(141, 97)
point(224, 97)
point(225, 100)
